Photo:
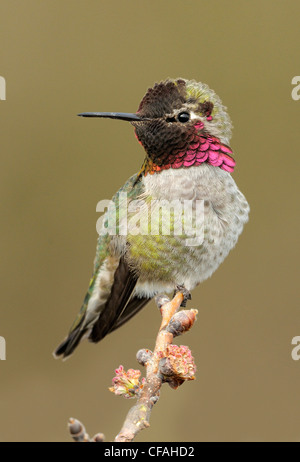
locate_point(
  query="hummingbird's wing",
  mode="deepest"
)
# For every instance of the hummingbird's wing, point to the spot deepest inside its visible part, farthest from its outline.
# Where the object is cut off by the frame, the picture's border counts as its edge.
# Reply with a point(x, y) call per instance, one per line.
point(121, 290)
point(134, 305)
point(107, 304)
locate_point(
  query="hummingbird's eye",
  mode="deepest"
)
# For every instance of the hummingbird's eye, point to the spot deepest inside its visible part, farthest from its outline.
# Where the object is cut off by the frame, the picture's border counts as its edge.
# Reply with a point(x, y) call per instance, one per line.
point(183, 117)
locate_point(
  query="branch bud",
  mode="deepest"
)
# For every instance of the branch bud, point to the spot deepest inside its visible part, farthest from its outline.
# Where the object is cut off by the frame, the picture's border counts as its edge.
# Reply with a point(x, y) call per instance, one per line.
point(77, 431)
point(98, 438)
point(143, 356)
point(181, 322)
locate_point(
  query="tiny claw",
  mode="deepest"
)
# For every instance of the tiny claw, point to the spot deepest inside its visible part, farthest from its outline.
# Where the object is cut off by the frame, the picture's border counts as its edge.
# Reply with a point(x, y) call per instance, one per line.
point(186, 294)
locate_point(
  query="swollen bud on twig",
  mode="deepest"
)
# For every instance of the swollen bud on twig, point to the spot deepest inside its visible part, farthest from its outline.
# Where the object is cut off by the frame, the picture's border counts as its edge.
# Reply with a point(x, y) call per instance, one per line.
point(77, 431)
point(181, 322)
point(143, 356)
point(79, 434)
point(98, 438)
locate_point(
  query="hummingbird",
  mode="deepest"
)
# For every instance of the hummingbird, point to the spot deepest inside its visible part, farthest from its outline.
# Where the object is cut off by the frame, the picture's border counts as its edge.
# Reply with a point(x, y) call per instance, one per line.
point(185, 131)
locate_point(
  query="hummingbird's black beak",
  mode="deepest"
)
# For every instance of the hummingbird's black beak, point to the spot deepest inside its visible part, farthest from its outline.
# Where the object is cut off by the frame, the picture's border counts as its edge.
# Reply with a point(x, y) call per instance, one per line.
point(114, 115)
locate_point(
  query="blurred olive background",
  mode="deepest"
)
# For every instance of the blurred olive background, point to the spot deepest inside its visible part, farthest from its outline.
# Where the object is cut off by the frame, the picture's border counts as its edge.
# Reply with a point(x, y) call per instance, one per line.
point(63, 57)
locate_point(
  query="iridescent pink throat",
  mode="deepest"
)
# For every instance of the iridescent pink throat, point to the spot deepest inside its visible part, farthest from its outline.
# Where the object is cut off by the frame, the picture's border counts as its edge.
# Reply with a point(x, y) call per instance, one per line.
point(204, 148)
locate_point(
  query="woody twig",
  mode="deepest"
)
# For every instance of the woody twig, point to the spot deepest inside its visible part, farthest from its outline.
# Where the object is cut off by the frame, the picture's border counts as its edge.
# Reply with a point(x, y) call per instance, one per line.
point(168, 363)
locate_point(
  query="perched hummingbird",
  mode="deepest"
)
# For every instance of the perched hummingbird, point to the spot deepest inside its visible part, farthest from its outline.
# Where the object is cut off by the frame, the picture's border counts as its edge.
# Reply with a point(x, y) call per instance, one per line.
point(185, 132)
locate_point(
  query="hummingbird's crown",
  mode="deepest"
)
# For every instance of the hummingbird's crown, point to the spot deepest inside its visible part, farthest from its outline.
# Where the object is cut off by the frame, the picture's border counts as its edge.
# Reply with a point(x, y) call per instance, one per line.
point(172, 96)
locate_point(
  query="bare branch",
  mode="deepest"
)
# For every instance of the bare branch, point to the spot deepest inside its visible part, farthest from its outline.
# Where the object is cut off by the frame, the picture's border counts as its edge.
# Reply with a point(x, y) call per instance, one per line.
point(168, 363)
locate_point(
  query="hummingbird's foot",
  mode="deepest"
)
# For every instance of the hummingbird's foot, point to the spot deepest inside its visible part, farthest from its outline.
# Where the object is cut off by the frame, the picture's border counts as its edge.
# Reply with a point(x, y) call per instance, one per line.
point(186, 294)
